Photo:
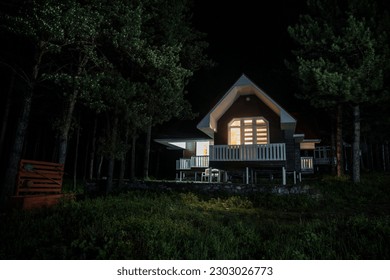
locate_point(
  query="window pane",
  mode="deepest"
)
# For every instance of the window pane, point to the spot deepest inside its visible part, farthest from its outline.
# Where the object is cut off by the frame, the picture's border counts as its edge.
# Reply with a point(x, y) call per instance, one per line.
point(235, 136)
point(260, 121)
point(248, 131)
point(236, 123)
point(202, 148)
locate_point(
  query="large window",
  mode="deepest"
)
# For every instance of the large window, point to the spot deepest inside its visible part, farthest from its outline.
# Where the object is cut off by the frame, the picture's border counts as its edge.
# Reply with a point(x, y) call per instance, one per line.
point(248, 131)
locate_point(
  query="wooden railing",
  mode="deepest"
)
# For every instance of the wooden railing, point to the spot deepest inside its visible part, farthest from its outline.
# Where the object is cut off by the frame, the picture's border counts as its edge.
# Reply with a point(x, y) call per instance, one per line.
point(183, 164)
point(270, 152)
point(322, 155)
point(200, 161)
point(193, 162)
point(307, 164)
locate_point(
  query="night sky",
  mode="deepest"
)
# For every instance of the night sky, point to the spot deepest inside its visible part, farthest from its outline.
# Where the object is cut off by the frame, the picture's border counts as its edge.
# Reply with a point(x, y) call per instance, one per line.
point(247, 37)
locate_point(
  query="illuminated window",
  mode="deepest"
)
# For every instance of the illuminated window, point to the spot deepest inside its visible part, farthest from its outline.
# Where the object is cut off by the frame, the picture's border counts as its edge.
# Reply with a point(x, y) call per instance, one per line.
point(248, 131)
point(235, 136)
point(202, 148)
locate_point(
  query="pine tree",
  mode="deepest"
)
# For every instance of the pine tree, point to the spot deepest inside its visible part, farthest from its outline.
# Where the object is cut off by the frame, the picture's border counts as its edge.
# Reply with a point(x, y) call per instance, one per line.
point(341, 59)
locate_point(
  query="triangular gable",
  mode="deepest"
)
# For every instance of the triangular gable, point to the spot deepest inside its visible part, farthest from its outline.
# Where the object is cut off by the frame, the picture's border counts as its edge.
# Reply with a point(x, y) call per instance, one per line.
point(243, 86)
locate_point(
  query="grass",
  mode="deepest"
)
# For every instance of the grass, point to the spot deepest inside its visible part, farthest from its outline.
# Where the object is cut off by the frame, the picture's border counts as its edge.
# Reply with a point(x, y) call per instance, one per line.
point(347, 222)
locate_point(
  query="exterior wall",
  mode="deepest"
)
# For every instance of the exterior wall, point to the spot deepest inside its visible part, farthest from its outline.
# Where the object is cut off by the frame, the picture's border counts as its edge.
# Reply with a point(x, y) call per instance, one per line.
point(252, 108)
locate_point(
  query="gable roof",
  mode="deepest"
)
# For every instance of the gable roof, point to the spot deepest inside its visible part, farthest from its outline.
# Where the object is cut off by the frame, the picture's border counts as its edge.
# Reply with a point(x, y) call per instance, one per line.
point(243, 86)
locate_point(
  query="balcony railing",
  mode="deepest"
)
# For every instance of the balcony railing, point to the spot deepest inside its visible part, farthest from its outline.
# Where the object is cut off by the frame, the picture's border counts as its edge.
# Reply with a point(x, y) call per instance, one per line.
point(270, 152)
point(307, 164)
point(193, 162)
point(200, 161)
point(183, 164)
point(323, 156)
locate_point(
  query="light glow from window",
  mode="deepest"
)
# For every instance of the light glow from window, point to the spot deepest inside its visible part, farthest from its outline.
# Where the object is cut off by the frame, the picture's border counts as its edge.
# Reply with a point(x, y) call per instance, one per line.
point(248, 131)
point(202, 148)
point(235, 136)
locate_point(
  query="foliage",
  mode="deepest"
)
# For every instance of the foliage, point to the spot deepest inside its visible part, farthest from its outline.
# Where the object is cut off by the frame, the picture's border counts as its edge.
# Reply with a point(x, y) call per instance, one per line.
point(342, 58)
point(348, 222)
point(127, 63)
point(341, 55)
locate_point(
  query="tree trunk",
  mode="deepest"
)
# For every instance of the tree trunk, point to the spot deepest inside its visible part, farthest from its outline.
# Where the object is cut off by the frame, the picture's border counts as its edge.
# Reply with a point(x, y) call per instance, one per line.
point(110, 174)
point(76, 155)
point(383, 157)
point(6, 113)
point(123, 159)
point(111, 160)
point(93, 149)
point(86, 159)
point(371, 158)
point(16, 153)
point(21, 131)
point(387, 154)
point(99, 169)
point(356, 144)
point(333, 164)
point(339, 141)
point(147, 151)
point(132, 161)
point(64, 131)
point(68, 114)
point(122, 169)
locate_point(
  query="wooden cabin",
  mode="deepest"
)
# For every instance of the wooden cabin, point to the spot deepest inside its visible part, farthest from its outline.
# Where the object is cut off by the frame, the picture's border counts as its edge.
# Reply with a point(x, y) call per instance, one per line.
point(246, 130)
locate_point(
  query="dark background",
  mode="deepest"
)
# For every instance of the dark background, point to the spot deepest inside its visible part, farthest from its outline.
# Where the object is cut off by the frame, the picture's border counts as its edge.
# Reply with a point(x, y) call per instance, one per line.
point(245, 37)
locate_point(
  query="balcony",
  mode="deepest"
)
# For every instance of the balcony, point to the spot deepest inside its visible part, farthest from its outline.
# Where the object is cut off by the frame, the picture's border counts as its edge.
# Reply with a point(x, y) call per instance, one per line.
point(269, 152)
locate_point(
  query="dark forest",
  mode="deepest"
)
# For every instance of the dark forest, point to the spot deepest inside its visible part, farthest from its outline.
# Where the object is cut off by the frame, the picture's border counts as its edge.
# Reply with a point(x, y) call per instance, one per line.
point(89, 84)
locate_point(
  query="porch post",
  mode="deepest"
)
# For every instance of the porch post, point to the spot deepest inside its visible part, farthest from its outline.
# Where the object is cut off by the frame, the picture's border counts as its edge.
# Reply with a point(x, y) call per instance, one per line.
point(247, 175)
point(295, 177)
point(284, 175)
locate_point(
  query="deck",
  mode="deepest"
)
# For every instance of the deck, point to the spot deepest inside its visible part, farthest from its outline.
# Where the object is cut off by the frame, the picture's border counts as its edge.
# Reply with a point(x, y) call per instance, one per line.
point(271, 154)
point(235, 153)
